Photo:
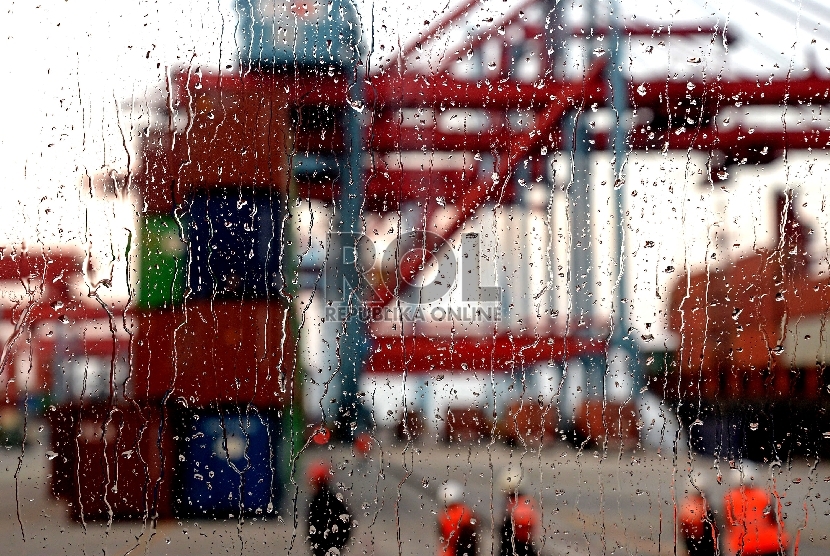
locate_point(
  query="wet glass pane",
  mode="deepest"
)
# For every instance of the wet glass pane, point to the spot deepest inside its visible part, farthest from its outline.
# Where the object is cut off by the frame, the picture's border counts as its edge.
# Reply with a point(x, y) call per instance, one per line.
point(485, 277)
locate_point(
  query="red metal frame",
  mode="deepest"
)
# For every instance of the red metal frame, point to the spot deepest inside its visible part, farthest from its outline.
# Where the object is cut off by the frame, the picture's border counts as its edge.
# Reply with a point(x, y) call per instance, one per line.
point(502, 352)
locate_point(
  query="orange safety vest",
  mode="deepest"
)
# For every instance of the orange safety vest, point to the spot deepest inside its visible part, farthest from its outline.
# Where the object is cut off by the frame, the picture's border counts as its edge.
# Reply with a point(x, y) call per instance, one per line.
point(524, 517)
point(692, 517)
point(456, 522)
point(752, 527)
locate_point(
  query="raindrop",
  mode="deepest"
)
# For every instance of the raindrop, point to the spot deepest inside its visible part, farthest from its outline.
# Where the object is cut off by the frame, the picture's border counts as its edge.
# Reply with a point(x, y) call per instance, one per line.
point(753, 426)
point(641, 90)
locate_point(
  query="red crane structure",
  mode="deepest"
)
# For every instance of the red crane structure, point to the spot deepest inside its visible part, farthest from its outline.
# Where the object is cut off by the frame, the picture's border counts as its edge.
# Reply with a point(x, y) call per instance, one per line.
point(523, 115)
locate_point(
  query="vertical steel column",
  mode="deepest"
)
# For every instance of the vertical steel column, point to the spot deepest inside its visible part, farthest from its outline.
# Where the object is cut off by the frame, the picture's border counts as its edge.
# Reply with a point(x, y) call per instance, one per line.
point(353, 342)
point(581, 272)
point(555, 48)
point(620, 338)
point(580, 269)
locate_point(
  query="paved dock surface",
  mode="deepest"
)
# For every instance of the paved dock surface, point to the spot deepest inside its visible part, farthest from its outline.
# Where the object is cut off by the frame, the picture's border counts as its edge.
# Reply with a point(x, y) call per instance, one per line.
point(594, 502)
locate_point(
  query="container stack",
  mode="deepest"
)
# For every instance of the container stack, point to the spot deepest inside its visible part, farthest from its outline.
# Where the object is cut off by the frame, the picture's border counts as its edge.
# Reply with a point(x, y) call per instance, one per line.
point(212, 353)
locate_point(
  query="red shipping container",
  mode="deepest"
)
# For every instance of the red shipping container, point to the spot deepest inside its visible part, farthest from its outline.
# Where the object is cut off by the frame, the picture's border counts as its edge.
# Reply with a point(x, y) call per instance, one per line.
point(603, 421)
point(152, 369)
point(113, 461)
point(529, 423)
point(466, 424)
point(220, 352)
point(237, 135)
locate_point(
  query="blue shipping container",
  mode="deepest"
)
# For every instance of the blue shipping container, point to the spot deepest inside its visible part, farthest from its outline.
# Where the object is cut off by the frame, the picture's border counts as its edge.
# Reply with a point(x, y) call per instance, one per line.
point(234, 244)
point(231, 463)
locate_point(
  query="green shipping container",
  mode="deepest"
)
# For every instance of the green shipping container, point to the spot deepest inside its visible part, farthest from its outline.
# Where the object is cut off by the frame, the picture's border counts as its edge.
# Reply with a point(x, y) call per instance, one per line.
point(162, 263)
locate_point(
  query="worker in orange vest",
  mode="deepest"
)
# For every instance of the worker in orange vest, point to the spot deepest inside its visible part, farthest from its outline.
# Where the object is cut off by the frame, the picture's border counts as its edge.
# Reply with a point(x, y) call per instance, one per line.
point(752, 524)
point(521, 518)
point(457, 530)
point(329, 518)
point(697, 522)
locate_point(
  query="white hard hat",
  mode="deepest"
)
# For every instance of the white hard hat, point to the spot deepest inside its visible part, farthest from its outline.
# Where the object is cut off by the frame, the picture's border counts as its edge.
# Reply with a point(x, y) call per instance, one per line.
point(745, 473)
point(752, 472)
point(451, 492)
point(699, 480)
point(509, 480)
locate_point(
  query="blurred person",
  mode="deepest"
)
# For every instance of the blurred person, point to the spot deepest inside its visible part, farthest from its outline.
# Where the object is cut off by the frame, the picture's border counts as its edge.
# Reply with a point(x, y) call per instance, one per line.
point(363, 445)
point(752, 524)
point(697, 521)
point(457, 530)
point(329, 518)
point(521, 518)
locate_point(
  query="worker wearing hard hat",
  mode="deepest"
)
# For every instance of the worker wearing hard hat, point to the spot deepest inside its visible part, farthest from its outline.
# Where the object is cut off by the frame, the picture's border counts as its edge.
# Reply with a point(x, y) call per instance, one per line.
point(753, 527)
point(457, 528)
point(521, 518)
point(697, 521)
point(329, 519)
